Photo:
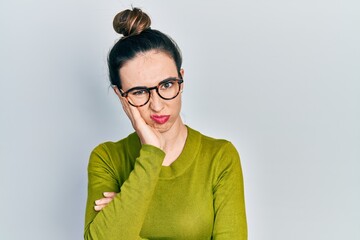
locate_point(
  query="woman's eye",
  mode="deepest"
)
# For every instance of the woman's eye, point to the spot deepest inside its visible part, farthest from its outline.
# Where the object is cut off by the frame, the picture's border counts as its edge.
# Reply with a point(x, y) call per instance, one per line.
point(166, 85)
point(139, 92)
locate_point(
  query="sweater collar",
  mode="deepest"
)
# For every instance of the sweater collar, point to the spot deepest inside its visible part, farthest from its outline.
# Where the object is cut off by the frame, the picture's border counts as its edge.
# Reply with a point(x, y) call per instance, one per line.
point(185, 159)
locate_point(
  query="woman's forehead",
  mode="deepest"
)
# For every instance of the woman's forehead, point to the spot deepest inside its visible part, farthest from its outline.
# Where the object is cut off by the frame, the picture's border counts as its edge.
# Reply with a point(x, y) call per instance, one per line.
point(147, 69)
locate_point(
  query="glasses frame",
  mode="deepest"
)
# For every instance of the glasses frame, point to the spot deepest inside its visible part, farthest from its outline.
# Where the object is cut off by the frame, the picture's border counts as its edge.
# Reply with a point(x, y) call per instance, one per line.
point(148, 90)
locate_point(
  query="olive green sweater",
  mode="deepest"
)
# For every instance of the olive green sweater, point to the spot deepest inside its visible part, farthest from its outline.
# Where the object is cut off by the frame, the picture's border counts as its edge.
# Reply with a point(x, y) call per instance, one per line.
point(199, 196)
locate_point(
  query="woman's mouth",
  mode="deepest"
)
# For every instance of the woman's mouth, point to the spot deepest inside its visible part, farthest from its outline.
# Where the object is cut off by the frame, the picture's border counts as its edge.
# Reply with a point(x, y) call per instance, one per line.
point(160, 119)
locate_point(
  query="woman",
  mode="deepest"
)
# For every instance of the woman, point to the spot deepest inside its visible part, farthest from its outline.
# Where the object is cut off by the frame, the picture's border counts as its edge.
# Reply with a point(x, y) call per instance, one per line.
point(165, 180)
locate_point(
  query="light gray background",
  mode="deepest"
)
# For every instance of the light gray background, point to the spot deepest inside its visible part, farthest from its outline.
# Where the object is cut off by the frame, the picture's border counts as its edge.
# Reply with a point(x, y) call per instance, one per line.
point(280, 79)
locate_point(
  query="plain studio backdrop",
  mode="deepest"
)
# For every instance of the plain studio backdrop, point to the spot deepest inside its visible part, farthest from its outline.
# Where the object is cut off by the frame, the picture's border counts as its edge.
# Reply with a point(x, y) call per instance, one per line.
point(280, 79)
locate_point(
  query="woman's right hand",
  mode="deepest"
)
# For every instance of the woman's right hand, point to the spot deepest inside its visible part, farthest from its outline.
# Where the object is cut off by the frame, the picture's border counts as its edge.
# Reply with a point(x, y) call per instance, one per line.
point(102, 202)
point(146, 133)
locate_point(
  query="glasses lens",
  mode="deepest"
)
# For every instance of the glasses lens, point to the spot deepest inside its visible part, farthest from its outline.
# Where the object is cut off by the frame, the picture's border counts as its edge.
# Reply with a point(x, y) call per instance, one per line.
point(169, 89)
point(138, 97)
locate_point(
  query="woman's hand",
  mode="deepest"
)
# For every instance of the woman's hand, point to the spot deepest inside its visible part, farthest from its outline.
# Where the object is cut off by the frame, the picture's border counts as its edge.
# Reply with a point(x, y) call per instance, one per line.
point(102, 202)
point(146, 133)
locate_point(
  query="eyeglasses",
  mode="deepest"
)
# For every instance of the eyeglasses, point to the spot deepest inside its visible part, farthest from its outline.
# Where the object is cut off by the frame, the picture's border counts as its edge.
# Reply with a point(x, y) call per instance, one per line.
point(167, 89)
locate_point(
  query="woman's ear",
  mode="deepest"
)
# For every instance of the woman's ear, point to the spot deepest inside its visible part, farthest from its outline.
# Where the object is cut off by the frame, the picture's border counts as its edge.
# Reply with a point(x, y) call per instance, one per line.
point(182, 77)
point(182, 73)
point(117, 91)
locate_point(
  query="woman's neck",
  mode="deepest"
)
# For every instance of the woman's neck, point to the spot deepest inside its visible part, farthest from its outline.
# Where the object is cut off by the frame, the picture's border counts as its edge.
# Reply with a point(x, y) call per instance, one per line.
point(175, 140)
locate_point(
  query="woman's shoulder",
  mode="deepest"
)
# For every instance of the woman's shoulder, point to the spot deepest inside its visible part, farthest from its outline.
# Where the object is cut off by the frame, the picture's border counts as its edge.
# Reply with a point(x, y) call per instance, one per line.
point(219, 154)
point(213, 147)
point(122, 149)
point(210, 142)
point(131, 140)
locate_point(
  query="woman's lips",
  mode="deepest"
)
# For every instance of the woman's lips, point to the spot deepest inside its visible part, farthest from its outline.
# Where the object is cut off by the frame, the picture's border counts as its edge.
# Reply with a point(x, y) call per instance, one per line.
point(160, 119)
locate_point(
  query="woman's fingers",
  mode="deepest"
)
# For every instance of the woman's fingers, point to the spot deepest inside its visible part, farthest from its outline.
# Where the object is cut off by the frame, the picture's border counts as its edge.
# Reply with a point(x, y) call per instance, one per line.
point(99, 207)
point(109, 194)
point(126, 107)
point(133, 113)
point(102, 202)
point(146, 133)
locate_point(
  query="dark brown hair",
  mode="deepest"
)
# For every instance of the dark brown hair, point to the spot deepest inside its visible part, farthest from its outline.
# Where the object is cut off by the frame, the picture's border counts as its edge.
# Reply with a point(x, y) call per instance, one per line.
point(137, 38)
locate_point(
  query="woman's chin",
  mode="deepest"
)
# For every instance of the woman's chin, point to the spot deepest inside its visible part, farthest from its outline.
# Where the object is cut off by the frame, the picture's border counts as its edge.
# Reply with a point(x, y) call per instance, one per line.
point(161, 127)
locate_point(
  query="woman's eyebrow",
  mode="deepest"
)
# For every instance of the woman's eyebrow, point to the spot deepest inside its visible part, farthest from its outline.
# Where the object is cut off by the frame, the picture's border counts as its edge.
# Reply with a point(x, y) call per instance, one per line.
point(164, 80)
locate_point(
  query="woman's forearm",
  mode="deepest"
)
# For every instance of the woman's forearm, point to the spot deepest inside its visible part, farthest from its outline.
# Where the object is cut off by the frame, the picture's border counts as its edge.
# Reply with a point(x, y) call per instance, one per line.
point(123, 217)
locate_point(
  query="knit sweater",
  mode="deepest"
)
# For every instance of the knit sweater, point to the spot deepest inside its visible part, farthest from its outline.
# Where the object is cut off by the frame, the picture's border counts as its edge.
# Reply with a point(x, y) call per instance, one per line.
point(199, 196)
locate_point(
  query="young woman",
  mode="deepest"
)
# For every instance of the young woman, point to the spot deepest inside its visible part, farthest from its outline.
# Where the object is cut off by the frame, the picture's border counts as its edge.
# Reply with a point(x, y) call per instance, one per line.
point(165, 180)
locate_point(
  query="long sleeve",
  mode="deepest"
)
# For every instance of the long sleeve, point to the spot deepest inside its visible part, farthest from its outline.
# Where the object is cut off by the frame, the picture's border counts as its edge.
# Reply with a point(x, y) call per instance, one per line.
point(229, 205)
point(124, 216)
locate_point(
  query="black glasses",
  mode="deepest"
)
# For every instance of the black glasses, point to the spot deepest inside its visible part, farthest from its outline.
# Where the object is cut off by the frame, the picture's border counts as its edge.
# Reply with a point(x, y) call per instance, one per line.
point(167, 89)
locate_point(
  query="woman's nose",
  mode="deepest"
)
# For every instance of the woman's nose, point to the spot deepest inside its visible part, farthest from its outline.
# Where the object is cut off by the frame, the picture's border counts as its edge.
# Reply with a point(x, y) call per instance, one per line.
point(156, 102)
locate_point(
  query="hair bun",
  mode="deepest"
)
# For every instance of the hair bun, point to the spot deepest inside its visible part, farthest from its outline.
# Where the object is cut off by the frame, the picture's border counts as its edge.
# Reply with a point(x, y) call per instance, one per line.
point(131, 22)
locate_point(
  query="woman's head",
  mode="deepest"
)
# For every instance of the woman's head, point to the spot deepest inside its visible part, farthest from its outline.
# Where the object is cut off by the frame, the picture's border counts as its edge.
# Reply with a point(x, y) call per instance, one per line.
point(138, 38)
point(145, 67)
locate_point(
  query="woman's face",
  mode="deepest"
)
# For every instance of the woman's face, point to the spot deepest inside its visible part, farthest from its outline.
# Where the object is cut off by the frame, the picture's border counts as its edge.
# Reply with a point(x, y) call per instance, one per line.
point(148, 69)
